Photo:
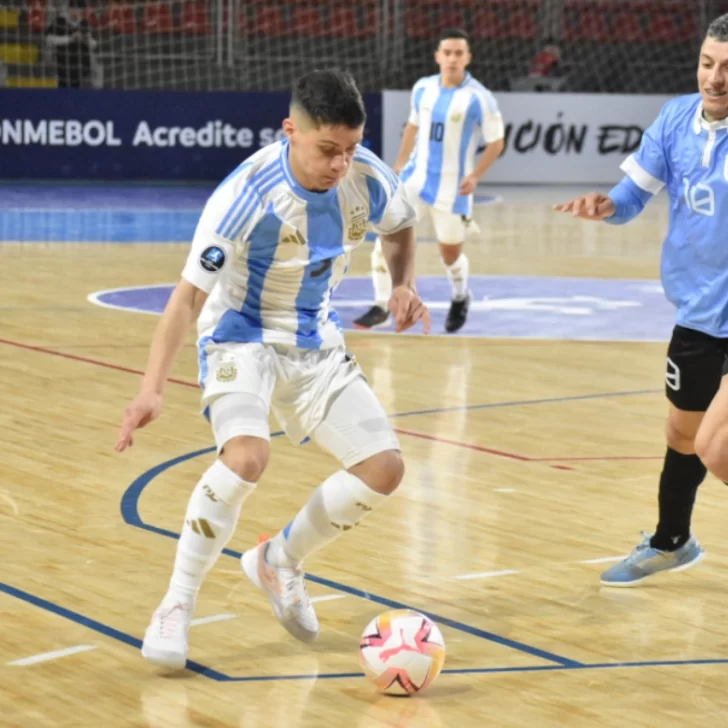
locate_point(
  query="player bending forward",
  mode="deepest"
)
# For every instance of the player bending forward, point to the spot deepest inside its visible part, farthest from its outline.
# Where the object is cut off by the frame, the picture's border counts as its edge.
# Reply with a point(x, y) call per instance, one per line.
point(272, 243)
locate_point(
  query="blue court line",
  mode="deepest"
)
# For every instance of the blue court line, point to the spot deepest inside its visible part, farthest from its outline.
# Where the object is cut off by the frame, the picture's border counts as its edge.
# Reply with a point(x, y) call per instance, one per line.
point(99, 627)
point(525, 402)
point(499, 670)
point(208, 672)
point(130, 514)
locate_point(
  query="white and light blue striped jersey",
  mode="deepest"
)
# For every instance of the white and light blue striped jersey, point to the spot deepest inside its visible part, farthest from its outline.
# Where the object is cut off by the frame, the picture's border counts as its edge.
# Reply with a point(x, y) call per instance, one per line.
point(687, 155)
point(270, 253)
point(451, 122)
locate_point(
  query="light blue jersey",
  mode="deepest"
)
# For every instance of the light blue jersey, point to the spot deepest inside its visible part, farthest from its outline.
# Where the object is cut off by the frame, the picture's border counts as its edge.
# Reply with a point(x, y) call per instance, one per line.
point(689, 157)
point(270, 252)
point(451, 123)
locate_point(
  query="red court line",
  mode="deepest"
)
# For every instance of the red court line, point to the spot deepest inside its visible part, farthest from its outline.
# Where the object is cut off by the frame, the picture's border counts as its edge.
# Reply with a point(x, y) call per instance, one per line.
point(598, 458)
point(410, 433)
point(66, 347)
point(478, 448)
point(86, 360)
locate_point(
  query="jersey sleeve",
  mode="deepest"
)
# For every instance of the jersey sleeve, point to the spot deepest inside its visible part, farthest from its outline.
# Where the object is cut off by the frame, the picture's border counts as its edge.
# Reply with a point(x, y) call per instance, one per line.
point(488, 116)
point(415, 101)
point(629, 201)
point(389, 209)
point(227, 220)
point(647, 167)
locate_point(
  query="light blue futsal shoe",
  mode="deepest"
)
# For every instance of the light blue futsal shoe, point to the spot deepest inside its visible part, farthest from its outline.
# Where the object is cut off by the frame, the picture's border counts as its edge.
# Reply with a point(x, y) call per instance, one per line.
point(644, 561)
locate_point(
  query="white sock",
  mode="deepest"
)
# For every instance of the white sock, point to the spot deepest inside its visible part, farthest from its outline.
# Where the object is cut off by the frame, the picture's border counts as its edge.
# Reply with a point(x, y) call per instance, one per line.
point(212, 515)
point(381, 278)
point(336, 506)
point(457, 274)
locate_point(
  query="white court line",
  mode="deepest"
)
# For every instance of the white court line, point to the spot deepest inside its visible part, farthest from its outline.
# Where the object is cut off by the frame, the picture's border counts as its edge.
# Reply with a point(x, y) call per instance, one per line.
point(214, 618)
point(45, 656)
point(486, 574)
point(605, 560)
point(328, 597)
point(504, 490)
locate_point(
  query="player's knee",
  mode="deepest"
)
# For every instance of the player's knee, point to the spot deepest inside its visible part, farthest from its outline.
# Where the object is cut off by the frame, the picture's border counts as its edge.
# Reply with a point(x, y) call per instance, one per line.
point(382, 472)
point(247, 457)
point(680, 436)
point(450, 253)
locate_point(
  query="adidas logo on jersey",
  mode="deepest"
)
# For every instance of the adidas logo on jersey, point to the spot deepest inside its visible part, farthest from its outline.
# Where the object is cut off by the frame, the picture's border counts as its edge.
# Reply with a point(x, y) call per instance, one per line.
point(295, 239)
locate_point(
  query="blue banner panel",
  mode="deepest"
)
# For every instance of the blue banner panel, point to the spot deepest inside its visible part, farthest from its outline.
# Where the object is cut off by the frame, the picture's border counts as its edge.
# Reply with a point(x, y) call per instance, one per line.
point(141, 135)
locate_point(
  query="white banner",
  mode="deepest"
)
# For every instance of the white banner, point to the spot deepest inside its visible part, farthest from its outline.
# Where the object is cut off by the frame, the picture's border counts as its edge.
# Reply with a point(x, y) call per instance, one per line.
point(551, 138)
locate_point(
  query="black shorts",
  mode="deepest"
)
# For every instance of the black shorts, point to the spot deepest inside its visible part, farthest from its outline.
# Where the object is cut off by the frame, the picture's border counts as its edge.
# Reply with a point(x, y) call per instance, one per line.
point(696, 362)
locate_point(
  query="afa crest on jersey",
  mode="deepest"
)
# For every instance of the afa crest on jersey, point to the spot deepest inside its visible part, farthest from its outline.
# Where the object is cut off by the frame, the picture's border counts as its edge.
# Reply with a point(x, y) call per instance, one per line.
point(358, 224)
point(227, 372)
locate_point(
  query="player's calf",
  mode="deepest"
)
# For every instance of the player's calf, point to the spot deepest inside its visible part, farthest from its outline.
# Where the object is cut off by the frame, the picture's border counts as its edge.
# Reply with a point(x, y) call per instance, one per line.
point(339, 504)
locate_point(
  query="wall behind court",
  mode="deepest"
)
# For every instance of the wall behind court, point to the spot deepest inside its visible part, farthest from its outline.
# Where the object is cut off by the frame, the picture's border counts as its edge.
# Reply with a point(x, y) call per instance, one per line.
point(552, 138)
point(141, 135)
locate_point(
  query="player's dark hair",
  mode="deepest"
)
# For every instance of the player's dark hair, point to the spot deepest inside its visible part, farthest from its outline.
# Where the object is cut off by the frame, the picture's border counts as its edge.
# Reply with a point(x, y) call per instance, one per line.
point(454, 34)
point(330, 98)
point(718, 29)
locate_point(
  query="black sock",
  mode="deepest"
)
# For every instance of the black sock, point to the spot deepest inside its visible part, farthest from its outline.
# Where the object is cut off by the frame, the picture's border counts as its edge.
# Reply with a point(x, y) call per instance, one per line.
point(681, 476)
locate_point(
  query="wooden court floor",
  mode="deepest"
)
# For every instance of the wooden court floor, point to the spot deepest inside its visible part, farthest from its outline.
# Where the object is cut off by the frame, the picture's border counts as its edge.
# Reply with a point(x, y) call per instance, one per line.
point(530, 464)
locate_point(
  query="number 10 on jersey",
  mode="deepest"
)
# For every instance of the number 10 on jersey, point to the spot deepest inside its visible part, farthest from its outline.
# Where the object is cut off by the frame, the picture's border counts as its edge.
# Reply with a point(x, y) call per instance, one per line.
point(437, 130)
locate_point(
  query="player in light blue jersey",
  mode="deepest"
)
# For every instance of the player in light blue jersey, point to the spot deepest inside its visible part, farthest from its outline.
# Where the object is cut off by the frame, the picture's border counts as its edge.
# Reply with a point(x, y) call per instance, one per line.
point(271, 245)
point(450, 113)
point(685, 151)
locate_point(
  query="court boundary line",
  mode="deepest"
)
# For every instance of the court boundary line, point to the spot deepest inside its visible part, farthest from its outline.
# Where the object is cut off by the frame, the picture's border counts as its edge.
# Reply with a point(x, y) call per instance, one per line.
point(441, 410)
point(217, 676)
point(145, 478)
point(132, 497)
point(129, 507)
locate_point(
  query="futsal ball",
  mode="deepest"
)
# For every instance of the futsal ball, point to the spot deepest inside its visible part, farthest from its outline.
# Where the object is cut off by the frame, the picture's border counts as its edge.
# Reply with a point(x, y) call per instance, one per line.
point(401, 652)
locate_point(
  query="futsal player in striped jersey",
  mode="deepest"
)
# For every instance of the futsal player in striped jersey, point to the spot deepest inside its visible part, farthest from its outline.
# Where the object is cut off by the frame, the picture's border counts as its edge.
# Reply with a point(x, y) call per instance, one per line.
point(272, 243)
point(451, 112)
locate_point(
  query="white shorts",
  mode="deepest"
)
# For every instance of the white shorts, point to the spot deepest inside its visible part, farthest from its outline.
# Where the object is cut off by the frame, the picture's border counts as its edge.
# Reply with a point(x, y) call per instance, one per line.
point(321, 394)
point(450, 228)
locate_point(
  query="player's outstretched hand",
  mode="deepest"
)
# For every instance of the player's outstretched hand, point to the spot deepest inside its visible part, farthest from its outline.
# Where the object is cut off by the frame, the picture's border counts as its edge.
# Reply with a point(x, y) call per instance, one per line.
point(145, 408)
point(593, 206)
point(407, 308)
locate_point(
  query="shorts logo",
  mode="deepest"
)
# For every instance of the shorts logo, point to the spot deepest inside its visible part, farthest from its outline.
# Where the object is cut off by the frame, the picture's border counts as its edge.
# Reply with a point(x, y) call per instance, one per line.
point(212, 259)
point(672, 375)
point(227, 372)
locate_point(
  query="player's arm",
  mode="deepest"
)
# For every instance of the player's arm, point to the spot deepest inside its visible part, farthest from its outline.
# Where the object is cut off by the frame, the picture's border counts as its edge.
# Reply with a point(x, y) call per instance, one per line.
point(646, 173)
point(399, 252)
point(409, 135)
point(491, 153)
point(406, 305)
point(181, 311)
point(393, 218)
point(490, 121)
point(213, 247)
